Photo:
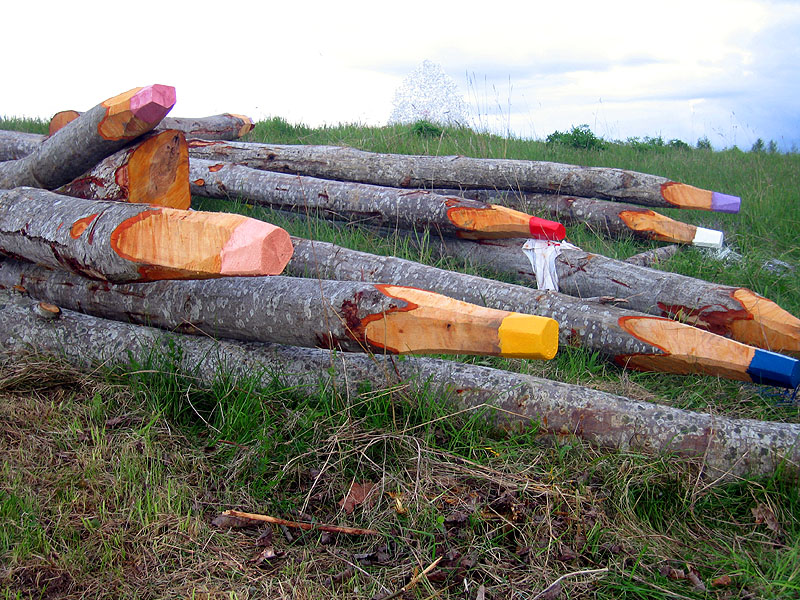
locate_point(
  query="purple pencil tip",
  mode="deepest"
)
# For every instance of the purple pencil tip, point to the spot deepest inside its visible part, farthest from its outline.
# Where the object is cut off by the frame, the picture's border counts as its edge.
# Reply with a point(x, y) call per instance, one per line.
point(725, 203)
point(152, 103)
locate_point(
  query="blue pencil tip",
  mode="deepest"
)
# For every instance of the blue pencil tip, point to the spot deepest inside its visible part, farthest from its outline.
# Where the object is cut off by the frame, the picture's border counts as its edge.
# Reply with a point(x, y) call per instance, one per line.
point(776, 369)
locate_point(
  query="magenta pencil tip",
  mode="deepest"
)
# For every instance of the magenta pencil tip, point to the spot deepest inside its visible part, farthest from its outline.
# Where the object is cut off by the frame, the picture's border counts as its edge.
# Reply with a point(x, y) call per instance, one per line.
point(725, 203)
point(152, 103)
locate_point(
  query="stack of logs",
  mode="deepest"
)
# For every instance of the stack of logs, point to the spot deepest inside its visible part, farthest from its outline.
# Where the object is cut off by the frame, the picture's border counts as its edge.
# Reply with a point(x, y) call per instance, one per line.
point(95, 219)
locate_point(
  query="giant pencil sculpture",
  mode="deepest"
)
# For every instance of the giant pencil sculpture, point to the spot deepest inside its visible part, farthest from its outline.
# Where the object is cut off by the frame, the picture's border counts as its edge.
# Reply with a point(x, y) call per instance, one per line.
point(613, 219)
point(350, 316)
point(152, 171)
point(227, 126)
point(368, 204)
point(116, 241)
point(734, 312)
point(88, 139)
point(727, 447)
point(395, 170)
point(630, 339)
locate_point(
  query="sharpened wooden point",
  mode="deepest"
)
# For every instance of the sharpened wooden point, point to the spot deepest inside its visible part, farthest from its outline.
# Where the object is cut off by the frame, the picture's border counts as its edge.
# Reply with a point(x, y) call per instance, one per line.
point(766, 324)
point(659, 227)
point(497, 221)
point(132, 113)
point(247, 124)
point(431, 323)
point(47, 311)
point(172, 243)
point(682, 195)
point(714, 355)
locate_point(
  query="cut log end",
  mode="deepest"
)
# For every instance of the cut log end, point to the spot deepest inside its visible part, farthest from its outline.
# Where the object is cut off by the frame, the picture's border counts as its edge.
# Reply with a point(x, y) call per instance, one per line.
point(60, 119)
point(681, 195)
point(158, 171)
point(247, 124)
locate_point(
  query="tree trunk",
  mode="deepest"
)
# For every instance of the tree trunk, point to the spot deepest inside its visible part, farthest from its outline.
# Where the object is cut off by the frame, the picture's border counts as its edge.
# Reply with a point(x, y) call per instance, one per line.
point(351, 316)
point(417, 172)
point(734, 312)
point(632, 340)
point(16, 144)
point(217, 127)
point(117, 242)
point(367, 204)
point(89, 139)
point(725, 447)
point(152, 171)
point(612, 219)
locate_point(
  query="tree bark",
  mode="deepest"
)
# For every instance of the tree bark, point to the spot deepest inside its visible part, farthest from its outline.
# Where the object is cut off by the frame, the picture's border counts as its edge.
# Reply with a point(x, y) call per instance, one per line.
point(89, 139)
point(724, 446)
point(117, 242)
point(16, 144)
point(226, 126)
point(654, 256)
point(630, 339)
point(367, 204)
point(418, 172)
point(153, 170)
point(733, 312)
point(350, 316)
point(611, 219)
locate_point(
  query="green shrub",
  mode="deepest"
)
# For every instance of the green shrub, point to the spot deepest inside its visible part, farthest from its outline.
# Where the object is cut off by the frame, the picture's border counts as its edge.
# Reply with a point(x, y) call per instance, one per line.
point(580, 136)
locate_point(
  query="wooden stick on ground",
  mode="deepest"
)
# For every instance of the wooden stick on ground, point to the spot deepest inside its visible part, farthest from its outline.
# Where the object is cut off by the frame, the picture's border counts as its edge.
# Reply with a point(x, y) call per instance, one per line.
point(298, 525)
point(613, 219)
point(369, 204)
point(117, 242)
point(734, 312)
point(152, 171)
point(726, 447)
point(630, 339)
point(350, 316)
point(227, 126)
point(420, 172)
point(87, 140)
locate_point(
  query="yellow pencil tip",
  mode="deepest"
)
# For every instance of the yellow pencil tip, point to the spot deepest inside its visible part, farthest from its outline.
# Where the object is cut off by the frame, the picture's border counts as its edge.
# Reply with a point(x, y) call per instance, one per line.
point(528, 336)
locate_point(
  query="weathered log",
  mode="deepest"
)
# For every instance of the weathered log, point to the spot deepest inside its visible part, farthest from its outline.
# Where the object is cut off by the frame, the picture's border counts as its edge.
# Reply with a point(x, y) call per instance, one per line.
point(612, 219)
point(16, 144)
point(89, 139)
point(654, 256)
point(419, 172)
point(733, 447)
point(350, 316)
point(116, 241)
point(226, 126)
point(153, 170)
point(630, 339)
point(734, 312)
point(368, 204)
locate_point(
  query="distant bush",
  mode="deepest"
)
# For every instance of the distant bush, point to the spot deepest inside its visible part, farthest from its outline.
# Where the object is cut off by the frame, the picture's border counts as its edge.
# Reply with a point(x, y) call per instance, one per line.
point(425, 128)
point(703, 144)
point(758, 146)
point(580, 136)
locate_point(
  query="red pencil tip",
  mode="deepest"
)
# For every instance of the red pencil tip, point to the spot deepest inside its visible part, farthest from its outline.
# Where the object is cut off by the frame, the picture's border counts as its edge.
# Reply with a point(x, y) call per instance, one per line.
point(542, 229)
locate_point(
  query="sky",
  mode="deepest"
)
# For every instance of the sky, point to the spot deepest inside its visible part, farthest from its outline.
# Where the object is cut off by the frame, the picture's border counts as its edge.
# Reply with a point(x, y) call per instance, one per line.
point(727, 70)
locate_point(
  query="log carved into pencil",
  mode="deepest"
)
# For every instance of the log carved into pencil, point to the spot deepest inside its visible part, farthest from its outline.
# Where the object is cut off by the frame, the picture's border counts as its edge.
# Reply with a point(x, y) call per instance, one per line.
point(350, 316)
point(152, 171)
point(87, 140)
point(417, 172)
point(734, 312)
point(116, 241)
point(632, 340)
point(369, 204)
point(613, 219)
point(726, 447)
point(226, 126)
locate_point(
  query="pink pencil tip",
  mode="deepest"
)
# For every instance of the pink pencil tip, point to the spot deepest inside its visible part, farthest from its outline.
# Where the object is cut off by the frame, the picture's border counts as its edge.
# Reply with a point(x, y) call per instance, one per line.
point(152, 103)
point(542, 229)
point(256, 248)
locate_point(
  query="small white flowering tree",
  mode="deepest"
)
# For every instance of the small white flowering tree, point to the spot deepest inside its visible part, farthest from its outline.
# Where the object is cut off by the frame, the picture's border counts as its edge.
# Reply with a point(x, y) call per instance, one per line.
point(429, 94)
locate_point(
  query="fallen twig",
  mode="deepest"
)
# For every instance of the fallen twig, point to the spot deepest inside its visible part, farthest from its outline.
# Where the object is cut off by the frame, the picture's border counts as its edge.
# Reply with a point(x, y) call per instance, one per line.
point(298, 525)
point(414, 580)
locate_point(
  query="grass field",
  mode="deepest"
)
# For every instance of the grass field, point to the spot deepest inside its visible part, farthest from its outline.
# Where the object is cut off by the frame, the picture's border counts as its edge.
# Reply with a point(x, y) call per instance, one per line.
point(111, 480)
